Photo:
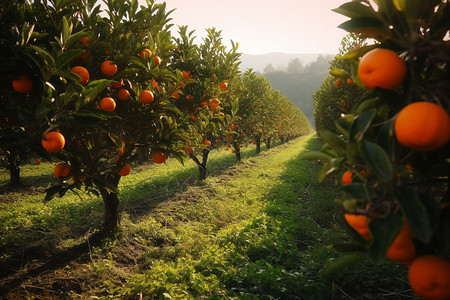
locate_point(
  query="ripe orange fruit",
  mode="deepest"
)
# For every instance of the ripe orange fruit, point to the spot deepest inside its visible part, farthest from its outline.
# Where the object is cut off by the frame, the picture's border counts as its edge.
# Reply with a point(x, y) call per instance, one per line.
point(347, 177)
point(350, 81)
point(53, 141)
point(176, 95)
point(214, 103)
point(422, 126)
point(108, 68)
point(146, 96)
point(188, 150)
point(207, 143)
point(85, 41)
point(402, 249)
point(381, 68)
point(229, 138)
point(123, 94)
point(157, 60)
point(233, 151)
point(126, 169)
point(22, 84)
point(185, 75)
point(360, 223)
point(254, 142)
point(117, 84)
point(429, 277)
point(82, 72)
point(338, 82)
point(145, 52)
point(107, 104)
point(223, 85)
point(61, 170)
point(37, 162)
point(159, 157)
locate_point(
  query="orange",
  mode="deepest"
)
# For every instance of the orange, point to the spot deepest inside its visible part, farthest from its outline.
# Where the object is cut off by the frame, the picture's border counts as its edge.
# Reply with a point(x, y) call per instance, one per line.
point(233, 151)
point(207, 143)
point(117, 84)
point(429, 277)
point(229, 138)
point(85, 41)
point(159, 157)
point(82, 72)
point(123, 94)
point(186, 74)
point(350, 81)
point(402, 249)
point(22, 84)
point(37, 162)
point(381, 68)
point(360, 223)
point(213, 103)
point(188, 150)
point(145, 52)
point(347, 177)
point(176, 95)
point(157, 60)
point(422, 126)
point(107, 104)
point(338, 83)
point(53, 141)
point(61, 170)
point(223, 85)
point(146, 96)
point(254, 142)
point(126, 169)
point(108, 68)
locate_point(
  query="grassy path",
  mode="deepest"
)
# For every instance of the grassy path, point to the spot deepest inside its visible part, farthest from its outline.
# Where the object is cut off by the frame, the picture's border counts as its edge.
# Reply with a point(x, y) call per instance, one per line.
point(257, 229)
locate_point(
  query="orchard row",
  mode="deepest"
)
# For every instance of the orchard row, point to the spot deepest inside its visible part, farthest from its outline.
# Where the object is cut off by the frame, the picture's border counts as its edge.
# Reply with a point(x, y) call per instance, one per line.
point(95, 90)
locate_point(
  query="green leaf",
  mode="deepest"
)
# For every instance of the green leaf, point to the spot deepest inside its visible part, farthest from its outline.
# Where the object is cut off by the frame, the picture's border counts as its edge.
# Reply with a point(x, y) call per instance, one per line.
point(315, 155)
point(333, 141)
point(367, 105)
point(367, 27)
point(344, 124)
point(116, 140)
point(328, 168)
point(67, 56)
point(361, 124)
point(75, 38)
point(340, 263)
point(171, 107)
point(93, 88)
point(357, 190)
point(378, 161)
point(384, 230)
point(44, 54)
point(415, 213)
point(355, 10)
point(339, 73)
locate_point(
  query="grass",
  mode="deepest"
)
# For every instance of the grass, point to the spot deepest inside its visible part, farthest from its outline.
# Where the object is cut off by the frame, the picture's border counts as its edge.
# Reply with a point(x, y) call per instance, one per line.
point(254, 230)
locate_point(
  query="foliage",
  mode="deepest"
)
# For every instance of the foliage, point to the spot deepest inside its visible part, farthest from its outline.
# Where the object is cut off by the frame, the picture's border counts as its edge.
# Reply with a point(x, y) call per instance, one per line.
point(390, 181)
point(331, 100)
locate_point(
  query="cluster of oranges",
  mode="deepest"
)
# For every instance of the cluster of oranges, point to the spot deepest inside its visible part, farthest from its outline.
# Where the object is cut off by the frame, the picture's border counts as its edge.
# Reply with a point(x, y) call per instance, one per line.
point(420, 126)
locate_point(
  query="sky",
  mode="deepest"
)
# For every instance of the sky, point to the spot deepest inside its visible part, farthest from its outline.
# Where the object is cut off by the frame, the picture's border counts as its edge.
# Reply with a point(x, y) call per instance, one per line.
point(262, 26)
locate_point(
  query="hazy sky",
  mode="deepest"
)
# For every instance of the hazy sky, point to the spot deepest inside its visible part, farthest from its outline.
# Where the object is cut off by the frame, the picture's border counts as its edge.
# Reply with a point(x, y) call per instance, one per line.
point(261, 26)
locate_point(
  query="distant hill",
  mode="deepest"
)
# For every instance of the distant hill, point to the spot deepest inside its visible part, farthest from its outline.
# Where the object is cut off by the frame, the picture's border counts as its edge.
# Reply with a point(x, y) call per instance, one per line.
point(297, 86)
point(278, 60)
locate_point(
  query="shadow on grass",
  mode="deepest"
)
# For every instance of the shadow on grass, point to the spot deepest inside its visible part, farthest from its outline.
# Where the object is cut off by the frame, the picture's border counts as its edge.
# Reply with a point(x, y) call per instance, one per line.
point(42, 239)
point(288, 249)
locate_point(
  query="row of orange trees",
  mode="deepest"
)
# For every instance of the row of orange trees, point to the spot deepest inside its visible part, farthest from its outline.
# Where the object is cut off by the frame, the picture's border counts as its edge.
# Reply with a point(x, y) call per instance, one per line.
point(392, 143)
point(95, 91)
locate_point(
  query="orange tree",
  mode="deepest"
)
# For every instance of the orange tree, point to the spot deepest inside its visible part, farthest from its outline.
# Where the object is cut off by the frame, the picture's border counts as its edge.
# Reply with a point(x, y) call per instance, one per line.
point(264, 113)
point(209, 101)
point(76, 59)
point(395, 140)
point(338, 94)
